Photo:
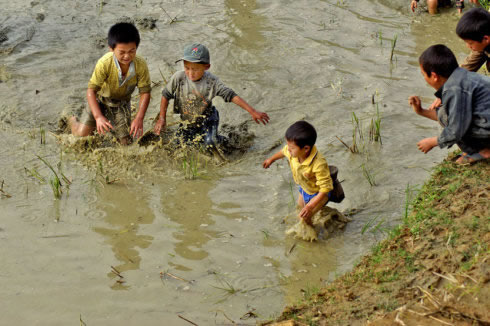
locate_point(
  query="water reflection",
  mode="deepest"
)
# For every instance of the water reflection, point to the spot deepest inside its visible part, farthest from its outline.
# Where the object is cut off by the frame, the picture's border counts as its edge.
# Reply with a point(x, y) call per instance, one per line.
point(125, 210)
point(189, 205)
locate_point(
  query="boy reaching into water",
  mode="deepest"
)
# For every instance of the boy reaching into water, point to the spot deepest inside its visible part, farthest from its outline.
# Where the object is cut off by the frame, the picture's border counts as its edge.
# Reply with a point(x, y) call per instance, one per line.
point(432, 5)
point(109, 91)
point(309, 168)
point(193, 90)
point(465, 109)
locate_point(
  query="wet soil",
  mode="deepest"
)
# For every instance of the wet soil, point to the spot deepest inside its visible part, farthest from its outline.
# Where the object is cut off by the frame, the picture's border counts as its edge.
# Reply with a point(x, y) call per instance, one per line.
point(433, 270)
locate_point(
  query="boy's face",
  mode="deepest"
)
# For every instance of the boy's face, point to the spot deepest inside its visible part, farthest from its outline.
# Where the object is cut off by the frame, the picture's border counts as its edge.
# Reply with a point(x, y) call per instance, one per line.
point(478, 46)
point(297, 151)
point(432, 80)
point(125, 52)
point(194, 71)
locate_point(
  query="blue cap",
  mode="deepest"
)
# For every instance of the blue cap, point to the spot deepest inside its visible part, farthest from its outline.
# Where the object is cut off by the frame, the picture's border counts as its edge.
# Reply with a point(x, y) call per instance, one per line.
point(196, 52)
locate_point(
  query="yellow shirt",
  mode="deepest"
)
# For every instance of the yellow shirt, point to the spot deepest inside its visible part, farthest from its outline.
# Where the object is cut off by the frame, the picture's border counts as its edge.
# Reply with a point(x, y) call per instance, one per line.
point(312, 174)
point(107, 79)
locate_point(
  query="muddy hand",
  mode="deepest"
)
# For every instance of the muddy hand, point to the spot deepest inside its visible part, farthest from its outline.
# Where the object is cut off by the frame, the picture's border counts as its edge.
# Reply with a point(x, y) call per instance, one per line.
point(437, 103)
point(260, 117)
point(159, 126)
point(415, 103)
point(103, 125)
point(136, 128)
point(413, 5)
point(267, 163)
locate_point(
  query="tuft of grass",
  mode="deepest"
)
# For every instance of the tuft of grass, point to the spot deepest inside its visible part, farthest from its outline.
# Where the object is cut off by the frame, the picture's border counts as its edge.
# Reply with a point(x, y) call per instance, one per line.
point(190, 165)
point(485, 4)
point(42, 133)
point(393, 45)
point(375, 128)
point(368, 175)
point(55, 180)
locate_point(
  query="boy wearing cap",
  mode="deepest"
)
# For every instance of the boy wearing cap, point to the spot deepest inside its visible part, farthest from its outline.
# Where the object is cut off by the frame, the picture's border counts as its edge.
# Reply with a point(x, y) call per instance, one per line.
point(193, 90)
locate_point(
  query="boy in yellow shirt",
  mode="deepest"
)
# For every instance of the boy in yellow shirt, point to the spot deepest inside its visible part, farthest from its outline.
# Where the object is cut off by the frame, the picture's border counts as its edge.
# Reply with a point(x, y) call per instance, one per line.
point(114, 79)
point(309, 167)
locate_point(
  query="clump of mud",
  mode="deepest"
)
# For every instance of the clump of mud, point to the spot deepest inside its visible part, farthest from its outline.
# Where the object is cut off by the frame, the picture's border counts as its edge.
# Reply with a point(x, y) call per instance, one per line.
point(150, 149)
point(143, 23)
point(325, 222)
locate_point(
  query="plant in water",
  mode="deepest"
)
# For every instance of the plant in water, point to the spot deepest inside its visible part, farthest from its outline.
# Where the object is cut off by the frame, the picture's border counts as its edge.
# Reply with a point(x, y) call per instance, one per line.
point(393, 45)
point(190, 165)
point(55, 180)
point(375, 128)
point(374, 228)
point(368, 175)
point(42, 133)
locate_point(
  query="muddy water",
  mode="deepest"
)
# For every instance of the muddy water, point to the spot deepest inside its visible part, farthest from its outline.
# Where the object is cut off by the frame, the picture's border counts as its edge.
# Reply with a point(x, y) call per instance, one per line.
point(222, 234)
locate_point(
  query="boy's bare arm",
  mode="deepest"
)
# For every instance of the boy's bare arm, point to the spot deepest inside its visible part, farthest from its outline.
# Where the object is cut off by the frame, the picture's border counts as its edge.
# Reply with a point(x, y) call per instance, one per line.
point(279, 155)
point(137, 124)
point(313, 206)
point(256, 115)
point(162, 120)
point(103, 125)
point(416, 104)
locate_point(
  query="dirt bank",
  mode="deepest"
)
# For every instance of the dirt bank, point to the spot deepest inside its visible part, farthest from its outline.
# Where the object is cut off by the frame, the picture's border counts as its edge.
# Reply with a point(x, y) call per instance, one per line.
point(434, 269)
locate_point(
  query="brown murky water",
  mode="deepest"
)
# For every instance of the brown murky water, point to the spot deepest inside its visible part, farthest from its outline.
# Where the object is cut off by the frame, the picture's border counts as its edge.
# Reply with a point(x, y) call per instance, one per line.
point(222, 233)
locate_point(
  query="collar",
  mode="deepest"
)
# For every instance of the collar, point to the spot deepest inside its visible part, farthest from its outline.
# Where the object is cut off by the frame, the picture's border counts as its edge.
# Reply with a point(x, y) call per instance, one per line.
point(456, 75)
point(131, 71)
point(310, 157)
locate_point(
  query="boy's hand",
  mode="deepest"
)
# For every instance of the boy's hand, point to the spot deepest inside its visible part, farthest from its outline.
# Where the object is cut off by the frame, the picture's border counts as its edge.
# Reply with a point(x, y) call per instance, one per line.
point(267, 163)
point(437, 103)
point(306, 213)
point(413, 5)
point(260, 117)
point(136, 128)
point(426, 144)
point(415, 103)
point(159, 126)
point(103, 125)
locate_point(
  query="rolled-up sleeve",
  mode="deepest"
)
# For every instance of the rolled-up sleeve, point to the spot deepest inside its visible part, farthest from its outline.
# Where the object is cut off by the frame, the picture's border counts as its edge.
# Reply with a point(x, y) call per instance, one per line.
point(225, 92)
point(474, 61)
point(169, 90)
point(323, 178)
point(458, 105)
point(99, 75)
point(144, 81)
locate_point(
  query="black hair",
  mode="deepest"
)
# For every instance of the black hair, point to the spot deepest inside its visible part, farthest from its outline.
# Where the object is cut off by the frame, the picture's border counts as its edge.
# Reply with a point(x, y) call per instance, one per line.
point(474, 25)
point(123, 33)
point(439, 59)
point(302, 133)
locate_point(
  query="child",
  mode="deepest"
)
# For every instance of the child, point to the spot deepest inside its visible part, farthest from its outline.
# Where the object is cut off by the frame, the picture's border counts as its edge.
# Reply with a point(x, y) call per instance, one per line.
point(109, 91)
point(309, 167)
point(193, 90)
point(474, 29)
point(465, 110)
point(432, 5)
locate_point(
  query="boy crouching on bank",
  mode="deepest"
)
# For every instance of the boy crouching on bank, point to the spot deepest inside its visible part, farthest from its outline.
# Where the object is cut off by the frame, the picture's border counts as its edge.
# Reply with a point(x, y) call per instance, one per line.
point(114, 79)
point(465, 109)
point(309, 168)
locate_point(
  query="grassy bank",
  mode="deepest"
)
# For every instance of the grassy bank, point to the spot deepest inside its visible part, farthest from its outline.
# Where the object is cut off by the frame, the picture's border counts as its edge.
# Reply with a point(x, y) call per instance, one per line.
point(434, 269)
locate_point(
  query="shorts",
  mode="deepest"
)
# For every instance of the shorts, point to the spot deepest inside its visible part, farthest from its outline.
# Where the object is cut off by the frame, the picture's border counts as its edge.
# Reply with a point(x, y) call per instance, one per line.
point(119, 116)
point(307, 197)
point(203, 132)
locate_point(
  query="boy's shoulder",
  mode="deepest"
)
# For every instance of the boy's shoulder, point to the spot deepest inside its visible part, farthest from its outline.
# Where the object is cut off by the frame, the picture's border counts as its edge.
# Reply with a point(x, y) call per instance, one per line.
point(139, 61)
point(106, 58)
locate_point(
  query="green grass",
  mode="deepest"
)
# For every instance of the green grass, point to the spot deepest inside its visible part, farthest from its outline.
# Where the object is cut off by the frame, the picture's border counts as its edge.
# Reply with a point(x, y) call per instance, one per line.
point(190, 165)
point(368, 175)
point(485, 4)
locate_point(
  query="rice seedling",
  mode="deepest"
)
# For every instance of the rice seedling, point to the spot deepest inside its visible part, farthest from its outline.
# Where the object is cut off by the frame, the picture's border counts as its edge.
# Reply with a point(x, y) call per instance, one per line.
point(393, 45)
point(357, 132)
point(266, 233)
point(190, 166)
point(42, 133)
point(368, 175)
point(375, 127)
point(226, 287)
point(55, 180)
point(34, 173)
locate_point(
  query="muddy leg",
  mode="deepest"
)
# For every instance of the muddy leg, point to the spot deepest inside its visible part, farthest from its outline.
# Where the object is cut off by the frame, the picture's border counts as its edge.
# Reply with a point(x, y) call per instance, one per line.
point(432, 6)
point(79, 129)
